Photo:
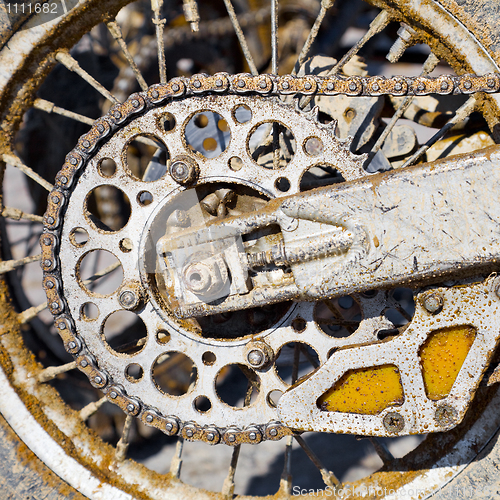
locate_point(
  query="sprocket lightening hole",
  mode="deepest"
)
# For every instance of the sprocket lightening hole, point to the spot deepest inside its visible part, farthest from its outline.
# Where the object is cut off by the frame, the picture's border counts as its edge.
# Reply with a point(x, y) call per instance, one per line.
point(268, 137)
point(207, 133)
point(174, 373)
point(107, 208)
point(237, 385)
point(338, 317)
point(295, 359)
point(124, 332)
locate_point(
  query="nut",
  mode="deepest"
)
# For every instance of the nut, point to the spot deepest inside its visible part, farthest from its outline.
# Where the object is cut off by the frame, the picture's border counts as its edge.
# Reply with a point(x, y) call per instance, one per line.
point(184, 170)
point(207, 277)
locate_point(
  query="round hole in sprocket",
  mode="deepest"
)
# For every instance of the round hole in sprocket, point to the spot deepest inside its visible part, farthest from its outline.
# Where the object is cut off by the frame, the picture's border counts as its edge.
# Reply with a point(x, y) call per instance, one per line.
point(272, 145)
point(107, 208)
point(174, 373)
point(295, 360)
point(202, 404)
point(236, 385)
point(124, 332)
point(100, 272)
point(78, 237)
point(145, 158)
point(107, 167)
point(134, 372)
point(339, 317)
point(207, 133)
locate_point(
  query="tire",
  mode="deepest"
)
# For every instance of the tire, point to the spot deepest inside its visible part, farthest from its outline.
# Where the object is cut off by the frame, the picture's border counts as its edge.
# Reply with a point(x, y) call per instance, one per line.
point(47, 451)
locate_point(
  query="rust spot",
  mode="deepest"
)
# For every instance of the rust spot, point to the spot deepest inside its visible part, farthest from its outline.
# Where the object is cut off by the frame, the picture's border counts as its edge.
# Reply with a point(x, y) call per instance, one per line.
point(367, 391)
point(441, 357)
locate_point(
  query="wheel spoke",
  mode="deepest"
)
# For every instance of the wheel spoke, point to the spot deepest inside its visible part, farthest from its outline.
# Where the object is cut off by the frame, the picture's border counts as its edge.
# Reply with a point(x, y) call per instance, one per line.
point(462, 113)
point(52, 372)
point(376, 26)
point(382, 450)
point(16, 162)
point(156, 6)
point(117, 34)
point(87, 411)
point(329, 477)
point(241, 37)
point(100, 274)
point(325, 5)
point(274, 37)
point(50, 107)
point(9, 265)
point(228, 485)
point(176, 463)
point(72, 64)
point(31, 313)
point(286, 475)
point(123, 443)
point(430, 63)
point(16, 214)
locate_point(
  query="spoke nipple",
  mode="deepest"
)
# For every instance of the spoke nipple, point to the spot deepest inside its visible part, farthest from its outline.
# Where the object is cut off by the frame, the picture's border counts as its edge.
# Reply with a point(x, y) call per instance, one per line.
point(433, 302)
point(394, 422)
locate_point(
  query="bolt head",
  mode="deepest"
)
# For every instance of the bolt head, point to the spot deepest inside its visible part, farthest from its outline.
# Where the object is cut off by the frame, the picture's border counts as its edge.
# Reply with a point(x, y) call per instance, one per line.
point(184, 170)
point(128, 299)
point(433, 302)
point(256, 357)
point(394, 422)
point(445, 415)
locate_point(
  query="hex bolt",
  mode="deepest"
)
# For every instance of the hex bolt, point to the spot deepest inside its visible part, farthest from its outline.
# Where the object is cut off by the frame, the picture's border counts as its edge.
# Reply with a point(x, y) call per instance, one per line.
point(131, 296)
point(394, 422)
point(183, 170)
point(445, 415)
point(433, 302)
point(405, 36)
